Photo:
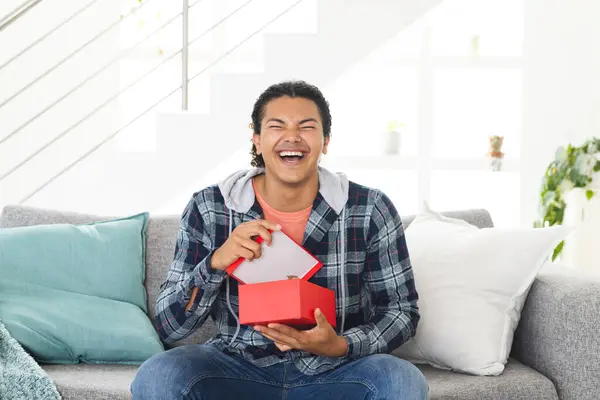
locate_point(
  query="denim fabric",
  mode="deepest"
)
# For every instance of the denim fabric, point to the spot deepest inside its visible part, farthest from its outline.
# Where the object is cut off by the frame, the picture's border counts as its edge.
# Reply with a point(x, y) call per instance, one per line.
point(205, 372)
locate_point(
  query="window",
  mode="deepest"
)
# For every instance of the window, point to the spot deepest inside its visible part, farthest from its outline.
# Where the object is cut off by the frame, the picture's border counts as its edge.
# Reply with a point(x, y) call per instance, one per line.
point(453, 78)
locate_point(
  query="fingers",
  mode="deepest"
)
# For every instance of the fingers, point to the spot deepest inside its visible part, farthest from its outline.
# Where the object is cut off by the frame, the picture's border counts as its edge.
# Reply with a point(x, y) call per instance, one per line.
point(257, 228)
point(268, 225)
point(251, 246)
point(287, 331)
point(283, 347)
point(264, 233)
point(244, 253)
point(276, 336)
point(268, 337)
point(280, 346)
point(261, 228)
point(241, 244)
point(321, 320)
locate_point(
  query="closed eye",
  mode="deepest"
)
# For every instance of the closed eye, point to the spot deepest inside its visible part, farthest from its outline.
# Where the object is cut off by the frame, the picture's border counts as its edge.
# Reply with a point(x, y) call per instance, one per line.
point(308, 127)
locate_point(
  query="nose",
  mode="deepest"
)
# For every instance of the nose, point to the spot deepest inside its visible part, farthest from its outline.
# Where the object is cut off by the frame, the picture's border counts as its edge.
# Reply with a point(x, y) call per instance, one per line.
point(292, 135)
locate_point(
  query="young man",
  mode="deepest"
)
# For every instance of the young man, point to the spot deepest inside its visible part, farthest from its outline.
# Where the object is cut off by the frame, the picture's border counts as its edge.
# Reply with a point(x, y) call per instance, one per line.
point(355, 231)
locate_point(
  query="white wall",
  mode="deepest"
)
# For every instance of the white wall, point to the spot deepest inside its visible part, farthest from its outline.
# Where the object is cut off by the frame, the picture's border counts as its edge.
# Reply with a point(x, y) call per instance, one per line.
point(561, 86)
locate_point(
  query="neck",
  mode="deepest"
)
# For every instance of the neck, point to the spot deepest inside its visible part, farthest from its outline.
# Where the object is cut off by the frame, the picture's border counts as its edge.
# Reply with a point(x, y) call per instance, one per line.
point(285, 197)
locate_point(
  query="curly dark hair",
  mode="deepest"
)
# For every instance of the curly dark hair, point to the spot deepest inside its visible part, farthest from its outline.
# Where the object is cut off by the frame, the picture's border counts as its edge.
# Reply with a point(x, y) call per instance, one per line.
point(291, 89)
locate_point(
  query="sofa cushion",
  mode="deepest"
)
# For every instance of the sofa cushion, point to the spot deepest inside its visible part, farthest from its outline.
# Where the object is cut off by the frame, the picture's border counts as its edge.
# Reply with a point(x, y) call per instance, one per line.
point(74, 292)
point(517, 382)
point(92, 382)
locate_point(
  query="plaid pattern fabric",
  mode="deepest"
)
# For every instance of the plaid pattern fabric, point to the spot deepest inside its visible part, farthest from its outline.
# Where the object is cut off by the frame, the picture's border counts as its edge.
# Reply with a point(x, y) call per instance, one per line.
point(381, 299)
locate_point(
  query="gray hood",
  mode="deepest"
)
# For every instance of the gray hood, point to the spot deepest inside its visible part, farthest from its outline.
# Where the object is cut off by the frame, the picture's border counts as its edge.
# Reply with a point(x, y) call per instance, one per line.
point(239, 194)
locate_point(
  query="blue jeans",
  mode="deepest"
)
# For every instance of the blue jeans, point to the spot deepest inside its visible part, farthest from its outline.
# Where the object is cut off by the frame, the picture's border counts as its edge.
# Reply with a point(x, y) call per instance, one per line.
point(204, 372)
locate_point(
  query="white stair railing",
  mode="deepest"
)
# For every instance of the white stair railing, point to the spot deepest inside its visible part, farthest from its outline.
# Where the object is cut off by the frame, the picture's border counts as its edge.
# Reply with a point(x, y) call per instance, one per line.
point(185, 78)
point(17, 13)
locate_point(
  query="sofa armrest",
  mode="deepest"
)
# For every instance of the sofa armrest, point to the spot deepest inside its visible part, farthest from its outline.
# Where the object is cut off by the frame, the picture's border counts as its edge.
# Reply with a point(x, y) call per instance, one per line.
point(559, 332)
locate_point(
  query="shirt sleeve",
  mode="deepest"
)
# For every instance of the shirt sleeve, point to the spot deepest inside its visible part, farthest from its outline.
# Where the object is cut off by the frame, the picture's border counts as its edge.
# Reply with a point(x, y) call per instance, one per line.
point(388, 276)
point(191, 286)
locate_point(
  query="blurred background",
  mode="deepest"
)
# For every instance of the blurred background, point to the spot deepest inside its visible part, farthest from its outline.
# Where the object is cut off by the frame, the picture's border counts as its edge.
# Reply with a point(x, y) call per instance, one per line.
point(114, 107)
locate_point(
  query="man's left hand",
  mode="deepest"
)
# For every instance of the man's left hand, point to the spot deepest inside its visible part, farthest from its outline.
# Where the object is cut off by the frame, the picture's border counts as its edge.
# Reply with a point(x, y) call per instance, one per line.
point(321, 340)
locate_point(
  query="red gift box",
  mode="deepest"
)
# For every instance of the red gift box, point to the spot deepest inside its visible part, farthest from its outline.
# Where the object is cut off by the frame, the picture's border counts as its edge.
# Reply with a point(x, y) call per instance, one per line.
point(275, 287)
point(289, 302)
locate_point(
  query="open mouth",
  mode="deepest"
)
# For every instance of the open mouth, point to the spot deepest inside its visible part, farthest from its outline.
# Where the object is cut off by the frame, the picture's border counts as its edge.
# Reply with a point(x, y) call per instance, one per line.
point(291, 157)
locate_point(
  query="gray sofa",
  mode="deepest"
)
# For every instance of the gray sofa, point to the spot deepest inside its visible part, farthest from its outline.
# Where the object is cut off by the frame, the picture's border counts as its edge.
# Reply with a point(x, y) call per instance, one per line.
point(556, 351)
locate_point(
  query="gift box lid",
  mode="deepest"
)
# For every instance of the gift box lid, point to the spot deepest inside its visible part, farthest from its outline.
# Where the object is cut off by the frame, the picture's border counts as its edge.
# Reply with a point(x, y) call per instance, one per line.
point(284, 259)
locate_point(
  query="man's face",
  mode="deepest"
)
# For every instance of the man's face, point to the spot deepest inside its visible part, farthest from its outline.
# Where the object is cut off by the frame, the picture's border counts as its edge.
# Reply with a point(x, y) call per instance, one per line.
point(291, 139)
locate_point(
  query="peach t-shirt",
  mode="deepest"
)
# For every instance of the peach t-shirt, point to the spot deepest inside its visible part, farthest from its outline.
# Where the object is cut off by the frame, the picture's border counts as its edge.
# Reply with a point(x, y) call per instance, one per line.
point(292, 224)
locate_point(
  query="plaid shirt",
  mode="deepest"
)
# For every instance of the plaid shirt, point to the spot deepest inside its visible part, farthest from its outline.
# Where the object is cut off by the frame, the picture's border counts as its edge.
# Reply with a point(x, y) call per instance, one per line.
point(381, 299)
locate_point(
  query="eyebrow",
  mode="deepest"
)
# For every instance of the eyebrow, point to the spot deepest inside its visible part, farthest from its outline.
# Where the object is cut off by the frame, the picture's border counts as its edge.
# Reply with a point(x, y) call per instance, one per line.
point(299, 123)
point(308, 120)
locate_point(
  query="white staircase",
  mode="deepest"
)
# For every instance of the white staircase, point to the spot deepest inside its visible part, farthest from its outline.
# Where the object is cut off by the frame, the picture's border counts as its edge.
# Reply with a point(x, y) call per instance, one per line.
point(190, 146)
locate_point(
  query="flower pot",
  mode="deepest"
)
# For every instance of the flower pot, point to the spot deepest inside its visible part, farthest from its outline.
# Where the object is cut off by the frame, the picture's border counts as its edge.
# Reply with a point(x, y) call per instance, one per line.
point(495, 161)
point(390, 142)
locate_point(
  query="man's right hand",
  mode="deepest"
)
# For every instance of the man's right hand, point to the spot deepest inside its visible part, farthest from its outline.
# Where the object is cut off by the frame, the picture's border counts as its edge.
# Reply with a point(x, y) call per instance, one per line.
point(240, 243)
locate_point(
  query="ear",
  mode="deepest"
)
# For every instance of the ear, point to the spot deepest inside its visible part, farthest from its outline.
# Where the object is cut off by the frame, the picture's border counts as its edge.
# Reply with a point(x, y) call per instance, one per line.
point(325, 144)
point(256, 141)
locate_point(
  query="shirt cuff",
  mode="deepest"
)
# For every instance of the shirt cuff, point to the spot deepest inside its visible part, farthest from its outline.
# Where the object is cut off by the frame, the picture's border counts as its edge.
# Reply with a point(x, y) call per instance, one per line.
point(208, 276)
point(357, 343)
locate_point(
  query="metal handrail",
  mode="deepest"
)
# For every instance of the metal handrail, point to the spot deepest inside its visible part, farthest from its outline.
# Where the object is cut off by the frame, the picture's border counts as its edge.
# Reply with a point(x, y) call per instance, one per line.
point(185, 44)
point(72, 54)
point(113, 135)
point(57, 27)
point(117, 94)
point(17, 13)
point(90, 77)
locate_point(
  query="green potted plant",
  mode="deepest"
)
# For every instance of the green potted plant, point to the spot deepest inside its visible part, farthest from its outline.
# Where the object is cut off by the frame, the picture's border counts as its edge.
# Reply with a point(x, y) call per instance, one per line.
point(572, 167)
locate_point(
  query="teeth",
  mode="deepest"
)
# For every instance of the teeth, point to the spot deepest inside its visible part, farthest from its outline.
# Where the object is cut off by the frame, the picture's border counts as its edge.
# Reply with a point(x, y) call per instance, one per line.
point(290, 153)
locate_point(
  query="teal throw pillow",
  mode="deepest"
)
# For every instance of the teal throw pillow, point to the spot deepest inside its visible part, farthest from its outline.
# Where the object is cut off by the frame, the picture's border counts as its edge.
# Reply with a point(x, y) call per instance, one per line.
point(75, 293)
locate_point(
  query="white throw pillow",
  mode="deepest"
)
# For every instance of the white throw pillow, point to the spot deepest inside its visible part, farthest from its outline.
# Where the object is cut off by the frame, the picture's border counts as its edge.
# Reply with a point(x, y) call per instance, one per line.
point(472, 285)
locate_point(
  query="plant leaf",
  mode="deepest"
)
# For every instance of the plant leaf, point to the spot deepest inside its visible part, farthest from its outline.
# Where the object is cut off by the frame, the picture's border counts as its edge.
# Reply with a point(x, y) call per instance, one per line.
point(557, 250)
point(559, 214)
point(548, 197)
point(589, 194)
